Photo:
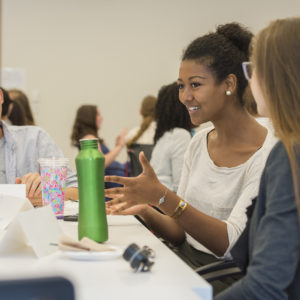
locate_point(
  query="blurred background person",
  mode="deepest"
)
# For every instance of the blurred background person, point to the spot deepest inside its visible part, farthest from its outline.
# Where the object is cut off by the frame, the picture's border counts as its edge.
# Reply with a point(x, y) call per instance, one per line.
point(144, 134)
point(87, 123)
point(7, 106)
point(21, 98)
point(141, 138)
point(172, 136)
point(17, 115)
point(20, 149)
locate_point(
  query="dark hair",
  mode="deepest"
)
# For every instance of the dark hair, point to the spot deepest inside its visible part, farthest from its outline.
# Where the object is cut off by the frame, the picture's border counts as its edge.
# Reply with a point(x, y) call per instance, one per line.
point(223, 53)
point(20, 97)
point(17, 115)
point(85, 123)
point(6, 102)
point(170, 113)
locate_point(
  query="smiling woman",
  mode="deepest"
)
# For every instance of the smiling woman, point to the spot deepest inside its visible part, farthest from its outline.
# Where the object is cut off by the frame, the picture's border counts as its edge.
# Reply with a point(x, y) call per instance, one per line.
point(223, 163)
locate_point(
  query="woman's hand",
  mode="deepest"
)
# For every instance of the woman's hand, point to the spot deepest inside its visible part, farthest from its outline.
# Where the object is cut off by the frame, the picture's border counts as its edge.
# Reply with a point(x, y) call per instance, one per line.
point(134, 210)
point(143, 189)
point(33, 187)
point(120, 140)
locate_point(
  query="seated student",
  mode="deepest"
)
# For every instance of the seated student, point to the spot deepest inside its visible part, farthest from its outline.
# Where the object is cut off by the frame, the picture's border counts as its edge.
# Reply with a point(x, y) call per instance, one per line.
point(6, 106)
point(17, 115)
point(20, 149)
point(223, 164)
point(273, 241)
point(144, 134)
point(172, 136)
point(13, 112)
point(86, 126)
point(21, 98)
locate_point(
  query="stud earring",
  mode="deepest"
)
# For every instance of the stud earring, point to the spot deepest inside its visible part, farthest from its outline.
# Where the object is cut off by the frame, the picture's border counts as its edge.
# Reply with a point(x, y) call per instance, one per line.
point(228, 93)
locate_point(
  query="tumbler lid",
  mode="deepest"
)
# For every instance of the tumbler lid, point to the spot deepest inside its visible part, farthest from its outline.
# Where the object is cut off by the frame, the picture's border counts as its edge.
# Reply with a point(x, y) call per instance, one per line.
point(54, 162)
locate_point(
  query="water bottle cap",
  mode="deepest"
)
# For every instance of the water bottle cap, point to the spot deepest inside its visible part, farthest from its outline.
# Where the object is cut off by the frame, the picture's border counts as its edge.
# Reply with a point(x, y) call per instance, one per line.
point(89, 143)
point(82, 140)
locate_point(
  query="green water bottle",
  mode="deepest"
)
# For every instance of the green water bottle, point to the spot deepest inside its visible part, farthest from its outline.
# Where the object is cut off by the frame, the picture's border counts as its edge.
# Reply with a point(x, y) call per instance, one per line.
point(92, 221)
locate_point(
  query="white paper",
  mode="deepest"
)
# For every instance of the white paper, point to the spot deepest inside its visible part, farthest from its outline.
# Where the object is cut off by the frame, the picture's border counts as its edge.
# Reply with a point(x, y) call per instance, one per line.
point(41, 229)
point(10, 206)
point(13, 239)
point(18, 190)
point(14, 78)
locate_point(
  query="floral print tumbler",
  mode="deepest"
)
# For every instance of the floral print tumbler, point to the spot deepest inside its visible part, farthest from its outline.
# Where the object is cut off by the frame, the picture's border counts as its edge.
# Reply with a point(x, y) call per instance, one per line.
point(53, 179)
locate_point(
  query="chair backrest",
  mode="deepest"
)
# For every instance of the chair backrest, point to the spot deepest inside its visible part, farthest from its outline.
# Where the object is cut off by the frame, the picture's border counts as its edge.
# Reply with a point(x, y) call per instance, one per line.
point(50, 288)
point(133, 152)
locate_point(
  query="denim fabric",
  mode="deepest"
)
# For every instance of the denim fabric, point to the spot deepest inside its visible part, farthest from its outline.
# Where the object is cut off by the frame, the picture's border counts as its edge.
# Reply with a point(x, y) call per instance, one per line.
point(24, 145)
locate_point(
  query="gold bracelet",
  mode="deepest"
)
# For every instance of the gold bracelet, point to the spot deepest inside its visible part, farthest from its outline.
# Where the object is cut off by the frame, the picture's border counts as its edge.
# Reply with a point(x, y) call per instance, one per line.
point(179, 209)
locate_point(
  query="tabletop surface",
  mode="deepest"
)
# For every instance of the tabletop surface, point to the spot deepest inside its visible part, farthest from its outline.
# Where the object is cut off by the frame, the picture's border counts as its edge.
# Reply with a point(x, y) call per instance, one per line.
point(113, 278)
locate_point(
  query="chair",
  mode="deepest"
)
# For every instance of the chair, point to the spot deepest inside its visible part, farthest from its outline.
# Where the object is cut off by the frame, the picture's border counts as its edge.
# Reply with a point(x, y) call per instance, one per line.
point(133, 153)
point(51, 288)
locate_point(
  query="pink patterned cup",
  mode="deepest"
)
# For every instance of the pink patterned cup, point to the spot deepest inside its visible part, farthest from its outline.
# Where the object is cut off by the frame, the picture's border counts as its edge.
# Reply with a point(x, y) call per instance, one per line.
point(53, 178)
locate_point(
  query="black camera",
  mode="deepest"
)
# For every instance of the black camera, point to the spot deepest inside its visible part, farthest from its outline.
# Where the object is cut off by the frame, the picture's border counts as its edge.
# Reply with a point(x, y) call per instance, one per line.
point(140, 259)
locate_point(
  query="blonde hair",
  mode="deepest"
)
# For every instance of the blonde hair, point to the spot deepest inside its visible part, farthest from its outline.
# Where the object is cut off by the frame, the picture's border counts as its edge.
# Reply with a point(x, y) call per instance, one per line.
point(147, 111)
point(276, 56)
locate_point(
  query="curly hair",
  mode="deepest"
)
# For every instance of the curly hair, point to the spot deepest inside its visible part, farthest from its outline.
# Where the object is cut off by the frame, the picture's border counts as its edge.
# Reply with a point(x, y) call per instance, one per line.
point(223, 52)
point(170, 113)
point(85, 123)
point(147, 111)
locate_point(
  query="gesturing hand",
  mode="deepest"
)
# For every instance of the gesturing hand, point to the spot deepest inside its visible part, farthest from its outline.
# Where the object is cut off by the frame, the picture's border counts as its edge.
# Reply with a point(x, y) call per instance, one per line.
point(133, 210)
point(143, 189)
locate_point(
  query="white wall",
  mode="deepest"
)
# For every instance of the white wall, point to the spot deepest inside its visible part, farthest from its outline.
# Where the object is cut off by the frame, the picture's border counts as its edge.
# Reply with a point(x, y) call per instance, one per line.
point(110, 52)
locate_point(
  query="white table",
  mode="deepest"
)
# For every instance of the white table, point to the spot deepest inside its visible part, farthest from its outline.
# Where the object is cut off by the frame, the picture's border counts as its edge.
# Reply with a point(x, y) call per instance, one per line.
point(170, 277)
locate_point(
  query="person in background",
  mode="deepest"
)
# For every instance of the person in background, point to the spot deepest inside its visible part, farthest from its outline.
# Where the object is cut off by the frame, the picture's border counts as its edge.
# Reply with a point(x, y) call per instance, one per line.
point(12, 112)
point(17, 115)
point(7, 106)
point(269, 248)
point(172, 136)
point(20, 149)
point(223, 164)
point(144, 134)
point(87, 123)
point(21, 98)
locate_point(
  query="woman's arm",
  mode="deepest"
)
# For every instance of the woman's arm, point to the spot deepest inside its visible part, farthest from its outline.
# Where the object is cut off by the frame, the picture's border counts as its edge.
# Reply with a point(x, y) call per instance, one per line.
point(160, 224)
point(120, 143)
point(146, 188)
point(209, 231)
